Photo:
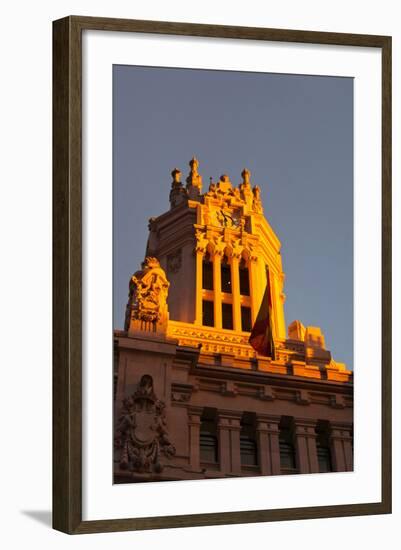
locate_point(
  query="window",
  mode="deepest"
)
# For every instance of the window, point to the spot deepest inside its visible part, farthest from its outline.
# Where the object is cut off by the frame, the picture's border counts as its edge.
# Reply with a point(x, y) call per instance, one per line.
point(248, 447)
point(207, 313)
point(323, 458)
point(243, 279)
point(207, 273)
point(208, 447)
point(246, 321)
point(208, 437)
point(248, 451)
point(225, 276)
point(323, 446)
point(288, 460)
point(287, 455)
point(227, 316)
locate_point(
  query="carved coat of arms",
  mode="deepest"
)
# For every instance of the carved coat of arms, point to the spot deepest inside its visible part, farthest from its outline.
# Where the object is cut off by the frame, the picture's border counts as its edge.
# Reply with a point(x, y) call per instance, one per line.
point(142, 431)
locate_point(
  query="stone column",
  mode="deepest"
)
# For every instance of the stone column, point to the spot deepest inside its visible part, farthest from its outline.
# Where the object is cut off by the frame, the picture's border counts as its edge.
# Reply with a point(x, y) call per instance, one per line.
point(236, 292)
point(305, 442)
point(199, 285)
point(194, 422)
point(267, 430)
point(341, 447)
point(217, 289)
point(229, 442)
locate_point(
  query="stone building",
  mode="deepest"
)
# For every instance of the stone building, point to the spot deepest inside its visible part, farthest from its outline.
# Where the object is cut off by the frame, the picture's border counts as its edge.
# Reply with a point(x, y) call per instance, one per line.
point(193, 399)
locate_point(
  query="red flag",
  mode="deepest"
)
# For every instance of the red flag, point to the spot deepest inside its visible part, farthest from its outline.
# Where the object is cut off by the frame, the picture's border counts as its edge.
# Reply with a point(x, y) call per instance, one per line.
point(261, 338)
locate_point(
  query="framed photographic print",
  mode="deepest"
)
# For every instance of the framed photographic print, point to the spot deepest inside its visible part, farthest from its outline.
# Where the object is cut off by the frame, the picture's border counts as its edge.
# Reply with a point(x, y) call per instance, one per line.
point(222, 274)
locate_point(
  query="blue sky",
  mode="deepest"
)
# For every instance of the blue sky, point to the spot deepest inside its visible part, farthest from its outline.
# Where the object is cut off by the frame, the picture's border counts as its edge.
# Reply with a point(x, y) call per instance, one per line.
point(294, 133)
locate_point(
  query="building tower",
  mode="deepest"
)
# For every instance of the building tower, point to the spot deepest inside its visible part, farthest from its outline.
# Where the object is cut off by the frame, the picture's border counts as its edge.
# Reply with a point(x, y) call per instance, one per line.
point(193, 398)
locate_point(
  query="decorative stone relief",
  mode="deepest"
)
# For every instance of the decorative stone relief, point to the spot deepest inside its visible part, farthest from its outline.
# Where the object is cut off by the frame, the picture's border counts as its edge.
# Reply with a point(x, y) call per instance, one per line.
point(228, 388)
point(337, 401)
point(174, 261)
point(266, 393)
point(201, 241)
point(141, 435)
point(181, 393)
point(302, 397)
point(180, 397)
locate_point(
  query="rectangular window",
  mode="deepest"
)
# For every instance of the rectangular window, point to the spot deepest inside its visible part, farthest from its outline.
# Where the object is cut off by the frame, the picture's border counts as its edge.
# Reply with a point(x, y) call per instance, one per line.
point(287, 455)
point(227, 316)
point(324, 459)
point(208, 447)
point(208, 436)
point(323, 447)
point(246, 320)
point(248, 450)
point(207, 274)
point(244, 281)
point(207, 313)
point(288, 459)
point(225, 277)
point(248, 447)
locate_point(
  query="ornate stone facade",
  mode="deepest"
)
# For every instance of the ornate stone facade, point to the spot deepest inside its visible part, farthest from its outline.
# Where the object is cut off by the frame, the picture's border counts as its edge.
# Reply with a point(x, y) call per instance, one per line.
point(221, 409)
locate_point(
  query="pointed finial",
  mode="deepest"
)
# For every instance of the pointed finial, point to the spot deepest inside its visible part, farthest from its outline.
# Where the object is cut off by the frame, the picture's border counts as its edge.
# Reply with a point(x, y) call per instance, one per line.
point(194, 179)
point(177, 194)
point(257, 202)
point(246, 176)
point(194, 164)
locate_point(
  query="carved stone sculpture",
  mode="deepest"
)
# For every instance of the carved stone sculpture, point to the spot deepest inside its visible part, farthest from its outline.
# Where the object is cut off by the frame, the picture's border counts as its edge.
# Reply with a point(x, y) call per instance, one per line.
point(141, 435)
point(178, 194)
point(147, 299)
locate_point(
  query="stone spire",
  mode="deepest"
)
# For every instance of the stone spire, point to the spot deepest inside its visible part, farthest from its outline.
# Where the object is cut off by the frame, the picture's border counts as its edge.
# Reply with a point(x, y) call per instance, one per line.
point(194, 180)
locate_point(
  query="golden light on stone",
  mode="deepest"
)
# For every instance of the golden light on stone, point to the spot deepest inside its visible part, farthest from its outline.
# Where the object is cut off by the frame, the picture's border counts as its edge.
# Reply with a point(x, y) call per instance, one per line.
point(230, 225)
point(189, 386)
